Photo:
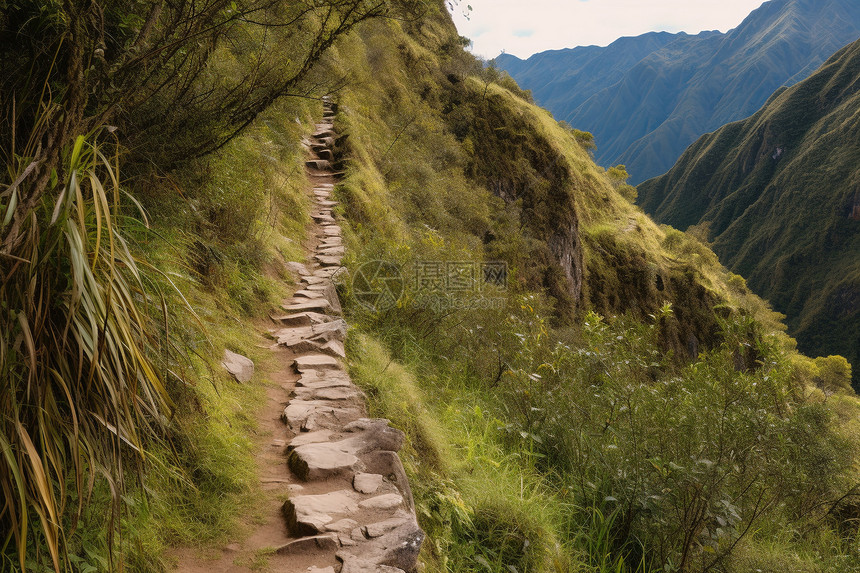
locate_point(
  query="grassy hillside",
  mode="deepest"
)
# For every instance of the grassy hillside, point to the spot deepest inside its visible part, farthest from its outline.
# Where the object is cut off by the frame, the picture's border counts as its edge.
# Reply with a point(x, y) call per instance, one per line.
point(608, 413)
point(662, 102)
point(632, 406)
point(776, 194)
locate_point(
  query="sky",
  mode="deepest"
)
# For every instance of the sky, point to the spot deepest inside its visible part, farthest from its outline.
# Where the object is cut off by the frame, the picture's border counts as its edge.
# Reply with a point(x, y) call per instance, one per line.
point(523, 27)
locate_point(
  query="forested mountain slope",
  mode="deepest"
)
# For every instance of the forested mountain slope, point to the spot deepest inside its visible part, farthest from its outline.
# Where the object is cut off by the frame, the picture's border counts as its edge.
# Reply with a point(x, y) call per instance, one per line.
point(778, 194)
point(695, 84)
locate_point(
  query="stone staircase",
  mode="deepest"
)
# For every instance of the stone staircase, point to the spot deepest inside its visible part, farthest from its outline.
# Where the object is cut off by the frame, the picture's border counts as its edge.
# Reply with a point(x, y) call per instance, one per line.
point(351, 510)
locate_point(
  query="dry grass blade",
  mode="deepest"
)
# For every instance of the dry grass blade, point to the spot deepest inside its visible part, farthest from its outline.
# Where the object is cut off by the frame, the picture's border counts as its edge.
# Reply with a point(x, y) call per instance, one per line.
point(80, 394)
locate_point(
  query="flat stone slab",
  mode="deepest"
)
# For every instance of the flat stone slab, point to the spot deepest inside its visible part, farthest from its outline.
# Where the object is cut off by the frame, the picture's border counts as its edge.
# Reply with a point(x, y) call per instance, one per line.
point(307, 345)
point(331, 231)
point(320, 164)
point(304, 305)
point(331, 330)
point(353, 564)
point(292, 335)
point(334, 348)
point(342, 525)
point(239, 366)
point(301, 319)
point(309, 514)
point(330, 381)
point(304, 293)
point(316, 543)
point(384, 501)
point(320, 461)
point(398, 549)
point(316, 362)
point(311, 415)
point(333, 251)
point(325, 338)
point(297, 268)
point(331, 393)
point(317, 437)
point(366, 483)
point(380, 528)
point(329, 260)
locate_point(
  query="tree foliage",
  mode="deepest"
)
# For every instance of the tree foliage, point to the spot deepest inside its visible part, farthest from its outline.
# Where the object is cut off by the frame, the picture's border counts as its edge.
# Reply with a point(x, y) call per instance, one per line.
point(87, 85)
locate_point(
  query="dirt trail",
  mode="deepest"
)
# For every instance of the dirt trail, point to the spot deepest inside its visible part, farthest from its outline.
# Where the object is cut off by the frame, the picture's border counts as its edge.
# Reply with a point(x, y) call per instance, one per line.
point(334, 496)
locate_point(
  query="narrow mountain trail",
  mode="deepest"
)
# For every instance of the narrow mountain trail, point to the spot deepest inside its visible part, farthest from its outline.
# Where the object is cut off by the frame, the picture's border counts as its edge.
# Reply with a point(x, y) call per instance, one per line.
point(334, 495)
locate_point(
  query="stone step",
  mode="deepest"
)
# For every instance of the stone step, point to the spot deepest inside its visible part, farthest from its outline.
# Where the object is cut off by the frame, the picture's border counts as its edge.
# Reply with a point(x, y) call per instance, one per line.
point(329, 260)
point(312, 458)
point(326, 272)
point(323, 378)
point(305, 305)
point(309, 514)
point(332, 251)
point(302, 319)
point(325, 154)
point(332, 393)
point(321, 461)
point(311, 415)
point(396, 548)
point(319, 164)
point(309, 294)
point(315, 362)
point(297, 268)
point(324, 132)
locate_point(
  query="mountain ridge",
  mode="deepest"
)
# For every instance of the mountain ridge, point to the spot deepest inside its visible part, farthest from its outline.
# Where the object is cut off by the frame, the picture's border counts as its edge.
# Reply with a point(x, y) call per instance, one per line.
point(695, 84)
point(752, 183)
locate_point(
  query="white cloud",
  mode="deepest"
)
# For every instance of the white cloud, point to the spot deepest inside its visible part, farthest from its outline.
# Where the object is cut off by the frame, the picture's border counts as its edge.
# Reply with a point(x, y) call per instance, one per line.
point(496, 25)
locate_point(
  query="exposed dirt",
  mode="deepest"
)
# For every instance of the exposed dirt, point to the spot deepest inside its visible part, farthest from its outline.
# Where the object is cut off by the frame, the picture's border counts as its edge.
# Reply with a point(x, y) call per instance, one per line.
point(259, 535)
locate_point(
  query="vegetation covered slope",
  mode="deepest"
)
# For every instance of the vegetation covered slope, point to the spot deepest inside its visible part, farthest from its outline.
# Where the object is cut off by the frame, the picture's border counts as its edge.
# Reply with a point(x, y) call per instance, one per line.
point(678, 431)
point(778, 194)
point(695, 84)
point(139, 214)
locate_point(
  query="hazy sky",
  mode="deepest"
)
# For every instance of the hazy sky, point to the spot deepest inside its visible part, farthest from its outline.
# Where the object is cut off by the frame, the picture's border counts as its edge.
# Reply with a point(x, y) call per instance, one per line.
point(523, 27)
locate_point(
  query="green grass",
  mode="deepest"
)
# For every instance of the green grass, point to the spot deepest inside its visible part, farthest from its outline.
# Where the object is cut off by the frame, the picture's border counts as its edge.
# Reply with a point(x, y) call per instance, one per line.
point(585, 426)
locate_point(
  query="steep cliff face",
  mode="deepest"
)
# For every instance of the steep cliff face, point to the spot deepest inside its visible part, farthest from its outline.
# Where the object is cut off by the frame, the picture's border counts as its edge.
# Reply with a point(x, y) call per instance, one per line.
point(777, 192)
point(446, 156)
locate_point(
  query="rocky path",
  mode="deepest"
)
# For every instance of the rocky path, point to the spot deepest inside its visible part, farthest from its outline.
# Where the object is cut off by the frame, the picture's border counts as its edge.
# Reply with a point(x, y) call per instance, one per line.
point(349, 506)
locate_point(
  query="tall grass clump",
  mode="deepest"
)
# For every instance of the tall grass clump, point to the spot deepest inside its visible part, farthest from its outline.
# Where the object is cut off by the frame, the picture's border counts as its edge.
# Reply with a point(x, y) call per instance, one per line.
point(82, 367)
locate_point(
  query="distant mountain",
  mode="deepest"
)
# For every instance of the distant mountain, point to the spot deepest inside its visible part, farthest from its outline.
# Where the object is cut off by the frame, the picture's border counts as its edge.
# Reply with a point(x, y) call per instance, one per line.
point(647, 98)
point(780, 194)
point(562, 80)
